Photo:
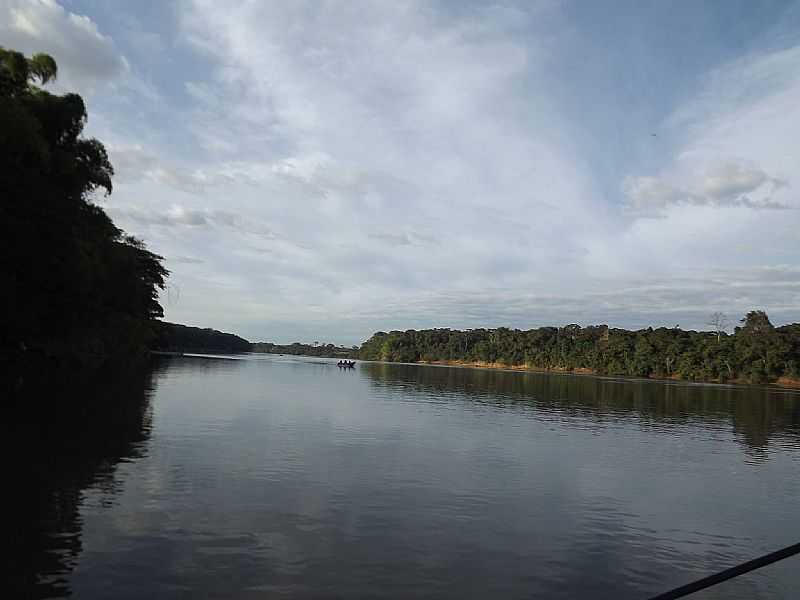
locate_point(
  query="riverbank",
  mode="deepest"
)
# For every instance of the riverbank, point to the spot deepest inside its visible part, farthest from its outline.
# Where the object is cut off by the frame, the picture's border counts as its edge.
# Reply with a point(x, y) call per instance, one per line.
point(785, 382)
point(757, 352)
point(789, 382)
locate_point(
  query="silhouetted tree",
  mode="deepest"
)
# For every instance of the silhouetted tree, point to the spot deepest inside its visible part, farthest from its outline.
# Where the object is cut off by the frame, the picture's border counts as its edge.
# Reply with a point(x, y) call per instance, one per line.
point(173, 337)
point(298, 349)
point(74, 285)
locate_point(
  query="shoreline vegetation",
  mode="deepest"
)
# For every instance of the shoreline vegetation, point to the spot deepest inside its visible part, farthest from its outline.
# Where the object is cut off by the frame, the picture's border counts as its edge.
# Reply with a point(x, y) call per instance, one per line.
point(785, 382)
point(174, 338)
point(755, 353)
point(300, 349)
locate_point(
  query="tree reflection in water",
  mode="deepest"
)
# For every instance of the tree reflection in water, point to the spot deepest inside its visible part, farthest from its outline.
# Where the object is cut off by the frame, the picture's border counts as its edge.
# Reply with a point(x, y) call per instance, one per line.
point(757, 413)
point(65, 449)
point(61, 438)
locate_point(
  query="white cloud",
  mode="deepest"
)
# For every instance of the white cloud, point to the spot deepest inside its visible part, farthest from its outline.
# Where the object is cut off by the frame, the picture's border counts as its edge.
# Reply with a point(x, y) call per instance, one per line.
point(134, 163)
point(651, 194)
point(737, 152)
point(724, 184)
point(174, 216)
point(350, 166)
point(85, 56)
point(741, 130)
point(411, 163)
point(380, 114)
point(177, 216)
point(731, 181)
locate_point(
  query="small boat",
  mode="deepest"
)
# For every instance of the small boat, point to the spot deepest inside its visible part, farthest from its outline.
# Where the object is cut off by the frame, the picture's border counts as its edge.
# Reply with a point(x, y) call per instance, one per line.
point(346, 364)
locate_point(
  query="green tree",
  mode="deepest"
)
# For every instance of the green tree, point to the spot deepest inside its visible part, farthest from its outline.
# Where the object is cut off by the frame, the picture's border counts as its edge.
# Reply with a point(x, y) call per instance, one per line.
point(757, 352)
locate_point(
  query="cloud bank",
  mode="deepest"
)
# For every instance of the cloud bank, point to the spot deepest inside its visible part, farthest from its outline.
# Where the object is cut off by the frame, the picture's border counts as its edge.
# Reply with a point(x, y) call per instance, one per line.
point(326, 170)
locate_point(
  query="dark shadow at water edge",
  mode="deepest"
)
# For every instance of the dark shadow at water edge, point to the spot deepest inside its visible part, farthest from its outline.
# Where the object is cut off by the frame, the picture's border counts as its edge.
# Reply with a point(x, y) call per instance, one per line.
point(60, 438)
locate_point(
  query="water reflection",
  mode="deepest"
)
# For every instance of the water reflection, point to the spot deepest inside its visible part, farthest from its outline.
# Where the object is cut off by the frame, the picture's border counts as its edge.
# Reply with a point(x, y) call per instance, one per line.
point(269, 476)
point(757, 414)
point(63, 438)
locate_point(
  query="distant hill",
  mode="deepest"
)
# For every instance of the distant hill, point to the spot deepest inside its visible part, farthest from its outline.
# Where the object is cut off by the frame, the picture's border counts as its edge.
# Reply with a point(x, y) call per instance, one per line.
point(298, 349)
point(173, 337)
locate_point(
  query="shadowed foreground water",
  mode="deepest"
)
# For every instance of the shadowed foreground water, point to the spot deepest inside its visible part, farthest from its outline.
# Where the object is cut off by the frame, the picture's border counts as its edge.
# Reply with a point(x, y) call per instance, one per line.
point(283, 477)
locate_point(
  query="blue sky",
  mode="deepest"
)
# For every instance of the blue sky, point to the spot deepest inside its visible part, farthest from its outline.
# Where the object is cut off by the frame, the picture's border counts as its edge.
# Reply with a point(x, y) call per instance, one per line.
point(322, 170)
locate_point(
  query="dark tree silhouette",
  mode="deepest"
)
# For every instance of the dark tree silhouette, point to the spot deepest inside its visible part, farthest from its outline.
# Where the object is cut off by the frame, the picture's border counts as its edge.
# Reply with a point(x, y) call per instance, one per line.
point(300, 349)
point(76, 289)
point(173, 337)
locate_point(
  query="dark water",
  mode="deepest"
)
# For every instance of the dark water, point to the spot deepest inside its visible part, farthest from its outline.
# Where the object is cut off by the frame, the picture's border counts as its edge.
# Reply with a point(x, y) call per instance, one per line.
point(277, 477)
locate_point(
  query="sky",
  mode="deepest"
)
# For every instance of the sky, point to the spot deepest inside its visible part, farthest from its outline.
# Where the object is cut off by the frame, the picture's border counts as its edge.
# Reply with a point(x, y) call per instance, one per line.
point(319, 171)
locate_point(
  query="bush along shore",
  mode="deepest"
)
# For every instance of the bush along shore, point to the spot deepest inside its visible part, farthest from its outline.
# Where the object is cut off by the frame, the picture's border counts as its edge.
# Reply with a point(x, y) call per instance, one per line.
point(756, 352)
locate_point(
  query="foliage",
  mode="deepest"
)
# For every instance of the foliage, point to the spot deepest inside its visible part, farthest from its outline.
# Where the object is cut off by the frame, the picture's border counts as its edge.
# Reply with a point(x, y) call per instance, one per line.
point(75, 286)
point(172, 337)
point(757, 352)
point(298, 349)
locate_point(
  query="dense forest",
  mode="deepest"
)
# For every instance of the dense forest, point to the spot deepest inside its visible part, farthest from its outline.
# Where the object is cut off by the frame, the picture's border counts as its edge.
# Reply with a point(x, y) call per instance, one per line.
point(77, 289)
point(172, 337)
point(757, 352)
point(298, 349)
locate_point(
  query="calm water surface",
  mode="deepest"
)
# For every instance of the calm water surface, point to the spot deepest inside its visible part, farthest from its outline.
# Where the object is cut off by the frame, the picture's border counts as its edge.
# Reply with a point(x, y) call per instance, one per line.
point(273, 477)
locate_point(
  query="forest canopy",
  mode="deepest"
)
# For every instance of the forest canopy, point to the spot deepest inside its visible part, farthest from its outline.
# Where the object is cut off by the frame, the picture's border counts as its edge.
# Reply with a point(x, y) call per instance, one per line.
point(173, 337)
point(76, 286)
point(757, 352)
point(300, 349)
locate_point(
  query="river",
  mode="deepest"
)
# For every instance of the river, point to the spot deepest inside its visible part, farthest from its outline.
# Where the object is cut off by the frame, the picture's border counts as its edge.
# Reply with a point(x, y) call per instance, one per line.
point(272, 477)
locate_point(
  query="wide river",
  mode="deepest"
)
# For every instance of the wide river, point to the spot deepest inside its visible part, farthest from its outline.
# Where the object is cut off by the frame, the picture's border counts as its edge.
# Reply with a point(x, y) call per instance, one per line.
point(282, 477)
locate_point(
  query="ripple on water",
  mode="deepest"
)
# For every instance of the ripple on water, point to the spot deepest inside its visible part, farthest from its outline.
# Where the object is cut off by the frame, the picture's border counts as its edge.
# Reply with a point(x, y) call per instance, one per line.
point(261, 478)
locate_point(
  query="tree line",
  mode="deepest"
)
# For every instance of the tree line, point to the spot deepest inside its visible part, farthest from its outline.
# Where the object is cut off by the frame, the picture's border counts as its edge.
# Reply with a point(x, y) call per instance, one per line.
point(76, 288)
point(300, 349)
point(173, 337)
point(757, 352)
